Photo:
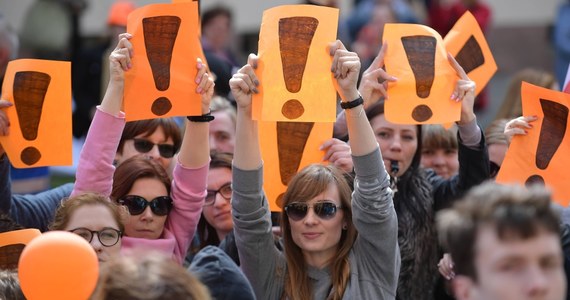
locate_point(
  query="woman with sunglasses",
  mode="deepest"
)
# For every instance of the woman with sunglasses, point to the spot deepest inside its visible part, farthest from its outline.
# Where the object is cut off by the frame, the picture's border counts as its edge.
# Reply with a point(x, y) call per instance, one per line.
point(94, 218)
point(331, 240)
point(419, 192)
point(163, 216)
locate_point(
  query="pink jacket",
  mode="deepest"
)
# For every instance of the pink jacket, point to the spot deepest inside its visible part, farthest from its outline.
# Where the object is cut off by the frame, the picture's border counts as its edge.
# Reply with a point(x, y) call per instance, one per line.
point(95, 174)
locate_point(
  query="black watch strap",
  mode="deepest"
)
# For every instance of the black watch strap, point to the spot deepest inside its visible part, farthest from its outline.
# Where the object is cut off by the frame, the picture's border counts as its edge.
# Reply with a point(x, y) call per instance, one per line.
point(352, 104)
point(203, 118)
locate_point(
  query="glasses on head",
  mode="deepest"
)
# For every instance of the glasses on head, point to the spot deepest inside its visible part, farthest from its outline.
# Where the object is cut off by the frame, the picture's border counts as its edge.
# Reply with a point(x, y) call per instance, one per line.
point(225, 190)
point(159, 206)
point(144, 146)
point(325, 210)
point(107, 237)
point(493, 169)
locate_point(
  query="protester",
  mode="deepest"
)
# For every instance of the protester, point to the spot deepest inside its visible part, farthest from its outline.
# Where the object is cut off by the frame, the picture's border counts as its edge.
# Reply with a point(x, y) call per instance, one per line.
point(439, 150)
point(163, 216)
point(332, 249)
point(420, 193)
point(505, 244)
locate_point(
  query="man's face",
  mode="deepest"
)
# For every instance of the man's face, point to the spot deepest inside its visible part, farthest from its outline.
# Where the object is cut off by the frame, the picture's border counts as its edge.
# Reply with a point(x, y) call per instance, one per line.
point(515, 269)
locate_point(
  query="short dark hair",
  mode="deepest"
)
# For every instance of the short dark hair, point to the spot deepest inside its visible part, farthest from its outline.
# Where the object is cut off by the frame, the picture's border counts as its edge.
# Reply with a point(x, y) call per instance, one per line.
point(514, 211)
point(148, 127)
point(210, 14)
point(135, 168)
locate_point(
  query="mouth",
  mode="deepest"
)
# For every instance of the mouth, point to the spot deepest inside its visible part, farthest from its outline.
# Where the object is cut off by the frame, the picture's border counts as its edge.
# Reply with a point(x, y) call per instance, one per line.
point(222, 215)
point(311, 235)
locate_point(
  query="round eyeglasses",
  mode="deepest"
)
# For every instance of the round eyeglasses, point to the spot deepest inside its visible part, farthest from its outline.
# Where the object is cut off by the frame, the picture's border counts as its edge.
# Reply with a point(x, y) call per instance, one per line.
point(107, 237)
point(225, 190)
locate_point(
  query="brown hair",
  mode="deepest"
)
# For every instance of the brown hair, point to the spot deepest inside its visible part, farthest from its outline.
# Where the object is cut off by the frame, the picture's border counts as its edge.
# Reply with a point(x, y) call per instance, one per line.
point(435, 136)
point(147, 276)
point(148, 127)
point(495, 132)
point(512, 104)
point(135, 168)
point(305, 185)
point(206, 233)
point(514, 211)
point(70, 205)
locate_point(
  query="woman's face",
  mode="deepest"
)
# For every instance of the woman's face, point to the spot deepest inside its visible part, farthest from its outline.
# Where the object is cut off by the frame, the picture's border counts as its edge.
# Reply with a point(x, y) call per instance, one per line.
point(445, 162)
point(136, 146)
point(318, 238)
point(95, 217)
point(146, 225)
point(219, 214)
point(397, 142)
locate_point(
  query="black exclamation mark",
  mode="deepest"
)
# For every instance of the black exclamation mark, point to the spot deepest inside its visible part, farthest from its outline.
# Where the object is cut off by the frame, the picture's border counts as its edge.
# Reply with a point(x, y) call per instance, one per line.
point(30, 89)
point(551, 136)
point(159, 37)
point(295, 37)
point(470, 57)
point(420, 51)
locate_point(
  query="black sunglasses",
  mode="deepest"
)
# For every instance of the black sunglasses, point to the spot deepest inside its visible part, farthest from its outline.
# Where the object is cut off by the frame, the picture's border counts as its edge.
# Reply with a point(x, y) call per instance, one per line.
point(493, 169)
point(107, 237)
point(225, 190)
point(144, 146)
point(159, 206)
point(325, 210)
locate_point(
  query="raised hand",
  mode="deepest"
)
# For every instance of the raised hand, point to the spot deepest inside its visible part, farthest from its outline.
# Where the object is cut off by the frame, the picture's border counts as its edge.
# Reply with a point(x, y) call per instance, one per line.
point(374, 82)
point(346, 68)
point(244, 83)
point(205, 85)
point(120, 58)
point(338, 153)
point(518, 126)
point(464, 92)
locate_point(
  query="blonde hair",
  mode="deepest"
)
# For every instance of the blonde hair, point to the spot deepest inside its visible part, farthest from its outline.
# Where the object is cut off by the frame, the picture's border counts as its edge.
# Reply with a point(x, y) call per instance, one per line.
point(435, 136)
point(495, 132)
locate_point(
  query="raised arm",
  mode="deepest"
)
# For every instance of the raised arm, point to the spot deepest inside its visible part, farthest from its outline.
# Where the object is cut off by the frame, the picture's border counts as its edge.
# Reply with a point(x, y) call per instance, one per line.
point(247, 155)
point(195, 149)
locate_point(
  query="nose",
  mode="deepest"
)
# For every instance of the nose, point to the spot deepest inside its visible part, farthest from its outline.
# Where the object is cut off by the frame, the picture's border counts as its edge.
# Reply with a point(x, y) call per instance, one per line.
point(438, 160)
point(96, 244)
point(396, 144)
point(537, 284)
point(220, 201)
point(153, 153)
point(147, 214)
point(213, 145)
point(311, 218)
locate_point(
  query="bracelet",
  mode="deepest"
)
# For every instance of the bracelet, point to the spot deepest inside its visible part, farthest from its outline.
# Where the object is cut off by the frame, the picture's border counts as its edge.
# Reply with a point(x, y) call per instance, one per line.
point(207, 117)
point(352, 104)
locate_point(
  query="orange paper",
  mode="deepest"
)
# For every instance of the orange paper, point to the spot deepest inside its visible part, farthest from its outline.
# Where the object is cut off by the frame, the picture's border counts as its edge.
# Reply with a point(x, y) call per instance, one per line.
point(23, 236)
point(543, 155)
point(422, 94)
point(287, 147)
point(294, 65)
point(466, 42)
point(40, 120)
point(166, 46)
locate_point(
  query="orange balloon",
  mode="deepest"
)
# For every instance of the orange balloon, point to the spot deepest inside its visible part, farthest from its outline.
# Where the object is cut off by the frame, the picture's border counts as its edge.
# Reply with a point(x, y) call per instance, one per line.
point(58, 265)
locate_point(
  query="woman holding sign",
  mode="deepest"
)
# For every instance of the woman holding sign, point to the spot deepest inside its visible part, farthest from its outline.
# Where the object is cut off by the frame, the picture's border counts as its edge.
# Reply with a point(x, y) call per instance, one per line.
point(332, 249)
point(420, 193)
point(163, 214)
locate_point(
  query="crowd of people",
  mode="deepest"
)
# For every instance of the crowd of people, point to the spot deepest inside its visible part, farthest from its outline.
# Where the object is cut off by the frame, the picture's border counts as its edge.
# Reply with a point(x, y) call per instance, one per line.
point(176, 209)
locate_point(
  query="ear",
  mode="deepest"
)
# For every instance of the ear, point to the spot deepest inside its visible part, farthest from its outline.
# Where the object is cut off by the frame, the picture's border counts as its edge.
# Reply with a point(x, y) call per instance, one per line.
point(462, 287)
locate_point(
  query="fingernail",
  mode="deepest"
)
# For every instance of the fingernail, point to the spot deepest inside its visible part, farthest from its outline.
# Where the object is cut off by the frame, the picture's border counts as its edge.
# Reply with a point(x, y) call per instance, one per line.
point(255, 90)
point(394, 78)
point(256, 82)
point(332, 69)
point(452, 96)
point(530, 125)
point(525, 132)
point(129, 65)
point(197, 80)
point(447, 277)
point(199, 90)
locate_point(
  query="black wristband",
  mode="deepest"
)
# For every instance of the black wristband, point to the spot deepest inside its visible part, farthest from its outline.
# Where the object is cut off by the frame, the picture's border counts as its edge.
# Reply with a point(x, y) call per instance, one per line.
point(352, 104)
point(207, 117)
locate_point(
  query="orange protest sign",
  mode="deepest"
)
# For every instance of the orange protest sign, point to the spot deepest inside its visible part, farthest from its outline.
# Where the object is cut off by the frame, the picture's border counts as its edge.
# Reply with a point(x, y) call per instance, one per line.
point(417, 57)
point(466, 42)
point(287, 147)
point(542, 155)
point(12, 243)
point(166, 46)
point(294, 65)
point(40, 131)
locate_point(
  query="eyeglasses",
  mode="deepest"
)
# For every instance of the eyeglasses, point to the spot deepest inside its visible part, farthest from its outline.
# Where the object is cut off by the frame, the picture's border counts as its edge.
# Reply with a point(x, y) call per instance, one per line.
point(159, 206)
point(107, 237)
point(325, 210)
point(225, 190)
point(144, 146)
point(493, 169)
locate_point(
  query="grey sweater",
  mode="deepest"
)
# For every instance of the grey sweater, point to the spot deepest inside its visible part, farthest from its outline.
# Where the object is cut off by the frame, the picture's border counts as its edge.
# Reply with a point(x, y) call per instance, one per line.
point(374, 258)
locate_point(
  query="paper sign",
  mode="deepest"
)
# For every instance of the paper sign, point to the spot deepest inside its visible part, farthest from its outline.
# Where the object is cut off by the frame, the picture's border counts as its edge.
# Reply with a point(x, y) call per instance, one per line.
point(286, 148)
point(294, 65)
point(161, 82)
point(422, 94)
point(40, 120)
point(543, 155)
point(12, 243)
point(466, 42)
